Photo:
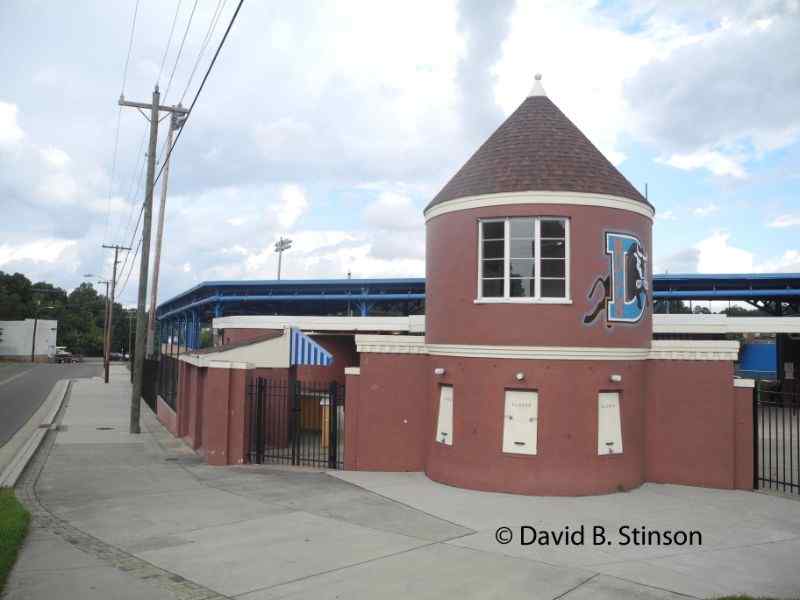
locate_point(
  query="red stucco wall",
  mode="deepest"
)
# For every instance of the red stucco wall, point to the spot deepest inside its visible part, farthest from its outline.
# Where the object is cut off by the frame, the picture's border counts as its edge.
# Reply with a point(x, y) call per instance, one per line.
point(453, 317)
point(166, 416)
point(691, 423)
point(682, 422)
point(343, 349)
point(387, 414)
point(566, 462)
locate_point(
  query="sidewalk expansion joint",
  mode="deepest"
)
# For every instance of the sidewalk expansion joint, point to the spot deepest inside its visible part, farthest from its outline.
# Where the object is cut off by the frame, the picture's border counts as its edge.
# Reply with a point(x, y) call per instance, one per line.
point(42, 518)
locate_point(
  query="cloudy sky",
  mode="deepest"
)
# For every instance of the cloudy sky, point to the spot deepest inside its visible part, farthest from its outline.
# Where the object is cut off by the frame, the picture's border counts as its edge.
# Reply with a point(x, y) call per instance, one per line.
point(336, 122)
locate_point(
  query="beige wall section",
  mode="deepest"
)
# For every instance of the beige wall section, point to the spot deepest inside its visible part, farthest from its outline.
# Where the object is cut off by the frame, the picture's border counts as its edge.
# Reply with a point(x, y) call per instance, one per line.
point(269, 354)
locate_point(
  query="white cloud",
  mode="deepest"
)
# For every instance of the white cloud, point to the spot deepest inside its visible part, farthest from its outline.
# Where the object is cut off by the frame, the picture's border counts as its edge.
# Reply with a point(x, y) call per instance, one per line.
point(785, 221)
point(788, 262)
point(587, 85)
point(55, 157)
point(728, 92)
point(716, 255)
point(10, 131)
point(713, 161)
point(290, 207)
point(42, 250)
point(666, 215)
point(705, 211)
point(394, 212)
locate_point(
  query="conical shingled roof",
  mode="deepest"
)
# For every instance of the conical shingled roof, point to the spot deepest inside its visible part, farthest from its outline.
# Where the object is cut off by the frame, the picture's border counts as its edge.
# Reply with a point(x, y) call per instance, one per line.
point(537, 149)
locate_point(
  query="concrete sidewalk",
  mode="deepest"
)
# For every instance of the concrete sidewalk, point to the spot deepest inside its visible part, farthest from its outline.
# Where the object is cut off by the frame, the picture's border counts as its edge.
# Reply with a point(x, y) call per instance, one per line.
point(123, 516)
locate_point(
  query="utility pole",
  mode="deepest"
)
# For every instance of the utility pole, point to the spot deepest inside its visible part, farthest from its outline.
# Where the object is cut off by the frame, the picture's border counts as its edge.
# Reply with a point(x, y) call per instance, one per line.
point(282, 245)
point(141, 324)
point(110, 321)
point(175, 123)
point(105, 321)
point(131, 316)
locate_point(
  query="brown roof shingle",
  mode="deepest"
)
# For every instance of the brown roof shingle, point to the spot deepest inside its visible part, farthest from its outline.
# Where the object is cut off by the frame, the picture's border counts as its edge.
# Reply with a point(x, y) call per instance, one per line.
point(537, 149)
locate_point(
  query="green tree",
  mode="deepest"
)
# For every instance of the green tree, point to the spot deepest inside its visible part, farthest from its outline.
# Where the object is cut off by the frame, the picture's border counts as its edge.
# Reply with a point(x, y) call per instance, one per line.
point(15, 297)
point(80, 314)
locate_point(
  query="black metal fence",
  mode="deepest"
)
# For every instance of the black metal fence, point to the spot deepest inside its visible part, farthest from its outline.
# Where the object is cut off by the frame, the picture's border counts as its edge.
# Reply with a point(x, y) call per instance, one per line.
point(776, 439)
point(150, 382)
point(168, 379)
point(296, 423)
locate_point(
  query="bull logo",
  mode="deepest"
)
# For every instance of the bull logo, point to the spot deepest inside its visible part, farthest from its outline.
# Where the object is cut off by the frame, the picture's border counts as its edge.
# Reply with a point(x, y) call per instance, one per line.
point(625, 288)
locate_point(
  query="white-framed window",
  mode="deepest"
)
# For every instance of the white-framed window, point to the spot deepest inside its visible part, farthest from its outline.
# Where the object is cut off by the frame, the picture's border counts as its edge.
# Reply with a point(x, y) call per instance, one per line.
point(523, 259)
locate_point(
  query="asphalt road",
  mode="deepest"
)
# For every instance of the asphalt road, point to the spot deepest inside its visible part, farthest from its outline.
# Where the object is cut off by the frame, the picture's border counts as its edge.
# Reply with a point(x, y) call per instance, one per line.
point(24, 386)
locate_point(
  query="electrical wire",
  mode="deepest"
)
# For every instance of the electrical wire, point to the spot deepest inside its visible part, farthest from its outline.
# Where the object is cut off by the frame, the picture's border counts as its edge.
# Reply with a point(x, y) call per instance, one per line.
point(200, 89)
point(130, 48)
point(180, 131)
point(113, 171)
point(169, 41)
point(212, 27)
point(130, 270)
point(119, 118)
point(180, 50)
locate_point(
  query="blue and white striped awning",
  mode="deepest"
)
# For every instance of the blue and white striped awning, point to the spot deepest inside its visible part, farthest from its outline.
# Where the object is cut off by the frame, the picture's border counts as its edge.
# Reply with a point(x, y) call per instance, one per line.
point(305, 351)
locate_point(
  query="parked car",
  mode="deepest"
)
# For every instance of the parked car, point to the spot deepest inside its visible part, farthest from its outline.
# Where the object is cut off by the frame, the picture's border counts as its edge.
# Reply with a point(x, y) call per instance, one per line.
point(63, 355)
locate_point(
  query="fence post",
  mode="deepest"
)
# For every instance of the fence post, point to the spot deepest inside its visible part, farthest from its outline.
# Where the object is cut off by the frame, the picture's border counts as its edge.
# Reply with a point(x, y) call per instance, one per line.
point(294, 432)
point(333, 441)
point(756, 396)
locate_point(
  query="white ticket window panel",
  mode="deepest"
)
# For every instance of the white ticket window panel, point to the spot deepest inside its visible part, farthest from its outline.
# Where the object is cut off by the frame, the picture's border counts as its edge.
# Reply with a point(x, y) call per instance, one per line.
point(520, 422)
point(609, 424)
point(444, 426)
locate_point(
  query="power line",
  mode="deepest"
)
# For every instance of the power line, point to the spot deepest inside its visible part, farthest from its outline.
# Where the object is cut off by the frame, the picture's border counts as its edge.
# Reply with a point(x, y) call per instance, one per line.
point(200, 89)
point(133, 187)
point(133, 262)
point(133, 235)
point(119, 118)
point(180, 51)
point(130, 47)
point(169, 40)
point(113, 171)
point(212, 27)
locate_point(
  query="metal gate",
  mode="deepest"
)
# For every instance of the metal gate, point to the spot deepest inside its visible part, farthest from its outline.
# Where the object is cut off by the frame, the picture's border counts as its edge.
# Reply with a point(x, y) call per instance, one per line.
point(776, 439)
point(296, 423)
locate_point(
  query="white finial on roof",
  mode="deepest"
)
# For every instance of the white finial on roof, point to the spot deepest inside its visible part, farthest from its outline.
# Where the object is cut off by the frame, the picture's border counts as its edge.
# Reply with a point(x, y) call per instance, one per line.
point(538, 88)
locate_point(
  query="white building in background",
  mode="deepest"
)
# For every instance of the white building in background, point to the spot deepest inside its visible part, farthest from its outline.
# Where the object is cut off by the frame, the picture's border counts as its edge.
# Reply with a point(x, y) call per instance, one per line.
point(16, 339)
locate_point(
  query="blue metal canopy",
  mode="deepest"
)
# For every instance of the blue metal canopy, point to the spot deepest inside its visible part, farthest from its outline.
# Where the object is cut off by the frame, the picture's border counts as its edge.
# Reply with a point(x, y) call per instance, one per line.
point(305, 351)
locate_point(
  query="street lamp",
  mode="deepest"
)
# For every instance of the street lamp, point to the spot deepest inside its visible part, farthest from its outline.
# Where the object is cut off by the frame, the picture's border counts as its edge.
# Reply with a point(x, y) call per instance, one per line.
point(282, 245)
point(106, 319)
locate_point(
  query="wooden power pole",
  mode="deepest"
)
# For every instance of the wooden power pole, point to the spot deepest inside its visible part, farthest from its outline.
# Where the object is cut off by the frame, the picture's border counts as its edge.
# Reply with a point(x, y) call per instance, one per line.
point(176, 122)
point(141, 323)
point(110, 318)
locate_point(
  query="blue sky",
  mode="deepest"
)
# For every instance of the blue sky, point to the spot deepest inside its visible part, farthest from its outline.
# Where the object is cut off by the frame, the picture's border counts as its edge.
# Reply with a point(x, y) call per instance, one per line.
point(336, 122)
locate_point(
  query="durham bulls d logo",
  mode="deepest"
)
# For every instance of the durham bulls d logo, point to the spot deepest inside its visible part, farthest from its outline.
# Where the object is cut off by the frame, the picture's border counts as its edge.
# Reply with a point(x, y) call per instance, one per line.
point(625, 287)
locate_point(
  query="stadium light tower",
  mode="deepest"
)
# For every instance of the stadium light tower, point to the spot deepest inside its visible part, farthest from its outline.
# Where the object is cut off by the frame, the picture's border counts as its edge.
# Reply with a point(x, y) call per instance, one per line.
point(282, 245)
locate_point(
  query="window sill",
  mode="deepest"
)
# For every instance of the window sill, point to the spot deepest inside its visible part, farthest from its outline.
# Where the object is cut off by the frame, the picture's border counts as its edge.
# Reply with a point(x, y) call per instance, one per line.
point(523, 301)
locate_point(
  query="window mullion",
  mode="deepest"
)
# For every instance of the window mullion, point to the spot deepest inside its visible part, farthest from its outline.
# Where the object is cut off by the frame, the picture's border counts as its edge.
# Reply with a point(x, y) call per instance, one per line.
point(480, 259)
point(567, 292)
point(537, 276)
point(507, 259)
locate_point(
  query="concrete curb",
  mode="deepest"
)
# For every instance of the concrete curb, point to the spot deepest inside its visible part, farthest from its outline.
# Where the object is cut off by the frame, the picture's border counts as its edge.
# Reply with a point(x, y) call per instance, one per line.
point(10, 476)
